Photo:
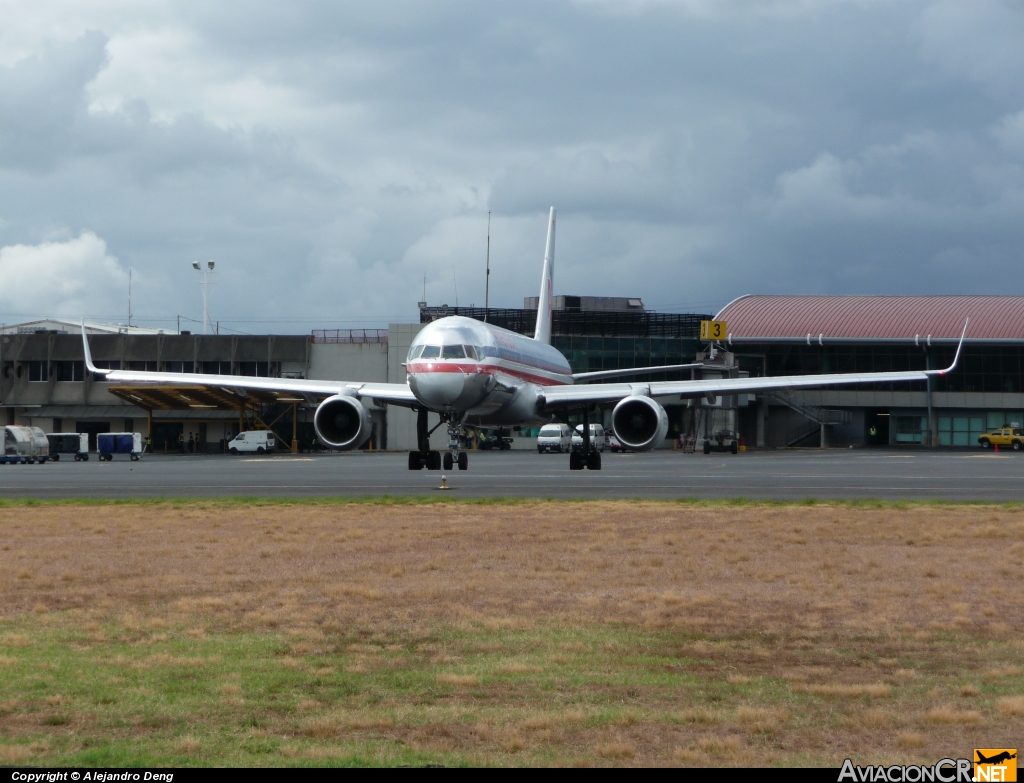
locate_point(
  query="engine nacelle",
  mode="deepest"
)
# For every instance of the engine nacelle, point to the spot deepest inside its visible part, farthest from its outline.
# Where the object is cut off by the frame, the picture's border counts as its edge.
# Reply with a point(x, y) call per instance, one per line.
point(639, 423)
point(342, 423)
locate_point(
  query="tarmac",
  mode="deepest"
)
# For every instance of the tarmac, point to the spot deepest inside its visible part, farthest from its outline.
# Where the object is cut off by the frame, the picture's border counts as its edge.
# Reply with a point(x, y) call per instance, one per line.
point(884, 474)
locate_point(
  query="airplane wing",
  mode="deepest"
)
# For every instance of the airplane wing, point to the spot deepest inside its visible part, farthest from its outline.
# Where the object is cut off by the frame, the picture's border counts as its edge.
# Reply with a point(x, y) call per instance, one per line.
point(395, 393)
point(560, 397)
point(593, 376)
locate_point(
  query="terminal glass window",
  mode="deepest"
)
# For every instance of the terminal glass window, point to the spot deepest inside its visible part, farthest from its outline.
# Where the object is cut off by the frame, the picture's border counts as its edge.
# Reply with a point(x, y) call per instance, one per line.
point(996, 419)
point(911, 429)
point(960, 430)
point(257, 369)
point(36, 371)
point(70, 371)
point(588, 353)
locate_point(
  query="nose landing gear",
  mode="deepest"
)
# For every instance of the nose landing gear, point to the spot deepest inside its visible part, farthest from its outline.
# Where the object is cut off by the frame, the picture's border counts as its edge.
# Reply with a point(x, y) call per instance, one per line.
point(455, 456)
point(432, 460)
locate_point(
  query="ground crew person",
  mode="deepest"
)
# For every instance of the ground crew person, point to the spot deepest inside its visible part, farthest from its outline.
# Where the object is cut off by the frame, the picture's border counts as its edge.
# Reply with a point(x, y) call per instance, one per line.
point(181, 442)
point(149, 445)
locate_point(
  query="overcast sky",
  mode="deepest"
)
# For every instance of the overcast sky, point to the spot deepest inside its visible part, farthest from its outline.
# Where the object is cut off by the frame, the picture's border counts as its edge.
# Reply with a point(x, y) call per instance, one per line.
point(328, 155)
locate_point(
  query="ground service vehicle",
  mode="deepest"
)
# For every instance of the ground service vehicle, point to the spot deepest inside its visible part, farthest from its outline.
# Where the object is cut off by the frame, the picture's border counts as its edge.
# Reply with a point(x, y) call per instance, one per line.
point(598, 442)
point(253, 441)
point(1004, 437)
point(614, 445)
point(76, 443)
point(723, 440)
point(110, 443)
point(554, 437)
point(467, 372)
point(25, 445)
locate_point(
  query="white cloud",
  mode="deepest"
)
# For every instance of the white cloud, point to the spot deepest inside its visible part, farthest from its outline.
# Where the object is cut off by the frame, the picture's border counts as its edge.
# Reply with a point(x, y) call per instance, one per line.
point(72, 278)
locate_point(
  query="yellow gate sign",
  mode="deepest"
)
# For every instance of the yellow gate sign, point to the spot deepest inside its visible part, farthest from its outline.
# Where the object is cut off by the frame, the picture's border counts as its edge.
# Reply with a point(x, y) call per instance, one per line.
point(713, 330)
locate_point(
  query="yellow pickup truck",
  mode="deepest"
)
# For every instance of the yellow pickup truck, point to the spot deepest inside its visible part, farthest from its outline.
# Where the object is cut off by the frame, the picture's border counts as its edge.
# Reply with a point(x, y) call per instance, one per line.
point(1004, 437)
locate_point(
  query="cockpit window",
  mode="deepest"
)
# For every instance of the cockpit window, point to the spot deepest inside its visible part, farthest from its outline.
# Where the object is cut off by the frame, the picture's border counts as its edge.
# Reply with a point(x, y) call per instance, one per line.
point(430, 352)
point(414, 352)
point(470, 351)
point(454, 352)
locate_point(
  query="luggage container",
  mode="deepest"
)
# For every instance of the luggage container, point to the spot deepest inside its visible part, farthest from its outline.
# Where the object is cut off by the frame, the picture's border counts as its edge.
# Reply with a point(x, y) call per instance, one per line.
point(76, 443)
point(25, 445)
point(110, 443)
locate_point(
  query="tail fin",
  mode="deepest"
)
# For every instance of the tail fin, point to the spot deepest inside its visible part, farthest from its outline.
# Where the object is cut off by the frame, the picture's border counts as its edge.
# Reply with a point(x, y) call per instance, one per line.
point(546, 300)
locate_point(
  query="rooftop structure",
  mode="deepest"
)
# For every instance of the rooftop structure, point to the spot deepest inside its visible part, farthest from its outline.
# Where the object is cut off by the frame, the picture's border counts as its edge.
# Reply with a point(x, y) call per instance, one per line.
point(589, 303)
point(65, 326)
point(928, 319)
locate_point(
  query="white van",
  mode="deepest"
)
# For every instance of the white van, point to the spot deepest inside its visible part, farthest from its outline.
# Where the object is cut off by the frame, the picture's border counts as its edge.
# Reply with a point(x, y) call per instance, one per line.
point(258, 441)
point(554, 437)
point(598, 441)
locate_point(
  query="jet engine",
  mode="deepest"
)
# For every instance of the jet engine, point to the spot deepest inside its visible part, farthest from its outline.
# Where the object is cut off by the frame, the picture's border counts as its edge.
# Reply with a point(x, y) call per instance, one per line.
point(639, 423)
point(342, 423)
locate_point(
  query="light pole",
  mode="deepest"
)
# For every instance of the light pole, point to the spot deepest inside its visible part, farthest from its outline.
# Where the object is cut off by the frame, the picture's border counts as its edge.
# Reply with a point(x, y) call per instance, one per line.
point(206, 292)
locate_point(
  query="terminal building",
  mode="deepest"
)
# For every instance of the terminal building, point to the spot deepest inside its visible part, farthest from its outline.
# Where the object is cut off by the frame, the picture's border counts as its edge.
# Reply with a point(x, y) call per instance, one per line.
point(43, 380)
point(809, 335)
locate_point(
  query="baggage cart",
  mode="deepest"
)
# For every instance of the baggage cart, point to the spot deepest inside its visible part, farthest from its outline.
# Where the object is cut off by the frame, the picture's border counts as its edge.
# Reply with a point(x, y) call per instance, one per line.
point(75, 443)
point(110, 443)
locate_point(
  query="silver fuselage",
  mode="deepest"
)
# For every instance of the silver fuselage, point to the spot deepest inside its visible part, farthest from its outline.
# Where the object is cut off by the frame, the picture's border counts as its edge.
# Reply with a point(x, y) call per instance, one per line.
point(494, 376)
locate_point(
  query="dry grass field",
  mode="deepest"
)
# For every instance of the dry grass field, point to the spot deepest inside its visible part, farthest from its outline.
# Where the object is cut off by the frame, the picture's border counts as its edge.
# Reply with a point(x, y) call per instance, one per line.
point(511, 634)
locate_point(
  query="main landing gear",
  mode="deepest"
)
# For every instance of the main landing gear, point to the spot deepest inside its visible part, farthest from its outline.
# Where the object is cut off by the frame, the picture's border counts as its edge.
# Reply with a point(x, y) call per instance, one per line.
point(432, 460)
point(586, 457)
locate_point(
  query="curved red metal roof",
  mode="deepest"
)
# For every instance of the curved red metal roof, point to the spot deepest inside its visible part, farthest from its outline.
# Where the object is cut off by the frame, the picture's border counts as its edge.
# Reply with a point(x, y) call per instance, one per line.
point(875, 317)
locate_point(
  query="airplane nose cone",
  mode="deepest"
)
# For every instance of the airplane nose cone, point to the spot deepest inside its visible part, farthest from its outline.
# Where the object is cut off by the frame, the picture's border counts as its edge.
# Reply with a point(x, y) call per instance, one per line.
point(438, 389)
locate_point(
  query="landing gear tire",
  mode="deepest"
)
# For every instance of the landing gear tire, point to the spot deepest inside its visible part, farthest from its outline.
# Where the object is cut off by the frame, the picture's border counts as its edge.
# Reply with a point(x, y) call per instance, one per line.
point(707, 447)
point(434, 460)
point(594, 460)
point(463, 461)
point(575, 461)
point(448, 461)
point(415, 460)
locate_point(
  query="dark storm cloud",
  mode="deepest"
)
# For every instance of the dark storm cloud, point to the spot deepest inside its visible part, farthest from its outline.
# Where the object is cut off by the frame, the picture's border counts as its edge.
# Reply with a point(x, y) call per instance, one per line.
point(335, 153)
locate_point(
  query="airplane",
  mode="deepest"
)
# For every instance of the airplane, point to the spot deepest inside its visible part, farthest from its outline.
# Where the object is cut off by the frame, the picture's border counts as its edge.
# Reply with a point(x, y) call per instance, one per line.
point(996, 759)
point(471, 372)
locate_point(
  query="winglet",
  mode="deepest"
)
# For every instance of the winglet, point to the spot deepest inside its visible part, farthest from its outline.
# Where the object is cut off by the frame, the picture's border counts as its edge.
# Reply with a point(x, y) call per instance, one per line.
point(956, 359)
point(88, 354)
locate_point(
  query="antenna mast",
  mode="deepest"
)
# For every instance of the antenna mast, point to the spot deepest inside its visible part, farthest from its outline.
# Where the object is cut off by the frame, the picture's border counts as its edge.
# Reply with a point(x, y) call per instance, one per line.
point(487, 280)
point(129, 296)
